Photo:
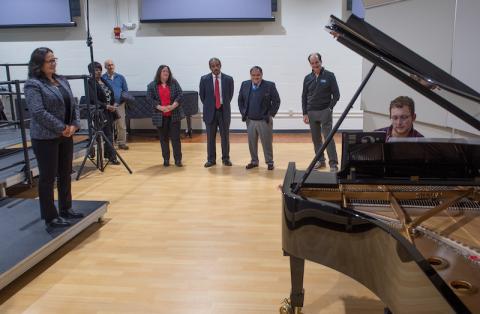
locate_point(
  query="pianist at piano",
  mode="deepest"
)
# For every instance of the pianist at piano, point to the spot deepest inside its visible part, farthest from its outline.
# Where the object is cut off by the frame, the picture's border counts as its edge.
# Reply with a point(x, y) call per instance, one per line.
point(402, 115)
point(401, 217)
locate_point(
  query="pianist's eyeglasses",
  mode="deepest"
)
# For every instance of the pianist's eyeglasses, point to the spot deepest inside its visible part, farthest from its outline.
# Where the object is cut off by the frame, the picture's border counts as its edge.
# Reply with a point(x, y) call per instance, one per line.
point(400, 118)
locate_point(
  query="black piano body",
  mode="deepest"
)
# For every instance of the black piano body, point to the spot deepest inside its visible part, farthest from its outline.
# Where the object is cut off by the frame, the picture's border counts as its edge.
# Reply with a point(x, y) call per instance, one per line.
point(402, 217)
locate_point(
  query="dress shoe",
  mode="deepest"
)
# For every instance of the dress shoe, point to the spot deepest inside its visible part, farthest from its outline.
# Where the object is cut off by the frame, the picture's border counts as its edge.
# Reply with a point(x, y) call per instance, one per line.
point(178, 164)
point(227, 163)
point(188, 133)
point(123, 146)
point(209, 164)
point(320, 165)
point(270, 167)
point(114, 162)
point(166, 163)
point(70, 213)
point(57, 222)
point(250, 166)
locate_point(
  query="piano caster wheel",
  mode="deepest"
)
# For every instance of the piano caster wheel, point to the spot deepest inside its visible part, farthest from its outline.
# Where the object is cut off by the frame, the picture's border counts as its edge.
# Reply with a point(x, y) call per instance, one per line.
point(287, 308)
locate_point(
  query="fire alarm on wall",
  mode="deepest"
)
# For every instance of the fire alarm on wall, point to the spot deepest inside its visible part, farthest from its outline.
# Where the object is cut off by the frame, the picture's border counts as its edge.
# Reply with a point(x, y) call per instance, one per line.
point(117, 31)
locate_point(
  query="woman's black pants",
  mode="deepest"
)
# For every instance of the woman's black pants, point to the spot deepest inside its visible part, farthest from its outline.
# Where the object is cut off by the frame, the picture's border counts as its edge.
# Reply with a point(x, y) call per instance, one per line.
point(170, 131)
point(54, 158)
point(108, 131)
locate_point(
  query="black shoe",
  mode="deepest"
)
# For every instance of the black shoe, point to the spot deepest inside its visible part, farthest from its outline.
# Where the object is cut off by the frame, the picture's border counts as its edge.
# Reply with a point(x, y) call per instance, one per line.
point(250, 166)
point(114, 162)
point(188, 133)
point(178, 164)
point(209, 164)
point(270, 167)
point(57, 222)
point(166, 163)
point(227, 163)
point(70, 213)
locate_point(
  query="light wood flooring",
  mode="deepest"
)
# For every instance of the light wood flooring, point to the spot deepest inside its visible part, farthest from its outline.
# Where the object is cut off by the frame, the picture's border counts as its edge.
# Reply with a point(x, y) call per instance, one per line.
point(184, 240)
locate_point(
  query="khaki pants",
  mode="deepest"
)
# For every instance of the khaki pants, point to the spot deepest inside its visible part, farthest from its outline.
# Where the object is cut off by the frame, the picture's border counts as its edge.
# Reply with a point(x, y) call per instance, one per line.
point(121, 126)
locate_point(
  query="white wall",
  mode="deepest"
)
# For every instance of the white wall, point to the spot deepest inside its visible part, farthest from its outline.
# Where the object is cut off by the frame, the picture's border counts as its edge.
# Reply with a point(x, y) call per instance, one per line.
point(443, 32)
point(279, 47)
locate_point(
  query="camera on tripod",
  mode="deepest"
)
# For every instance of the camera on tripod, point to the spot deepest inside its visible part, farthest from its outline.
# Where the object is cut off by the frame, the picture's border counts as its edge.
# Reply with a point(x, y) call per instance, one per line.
point(95, 116)
point(98, 118)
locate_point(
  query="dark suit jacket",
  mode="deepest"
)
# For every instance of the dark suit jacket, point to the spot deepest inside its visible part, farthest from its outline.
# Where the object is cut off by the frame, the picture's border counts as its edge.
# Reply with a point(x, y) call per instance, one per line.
point(270, 100)
point(153, 99)
point(207, 96)
point(47, 108)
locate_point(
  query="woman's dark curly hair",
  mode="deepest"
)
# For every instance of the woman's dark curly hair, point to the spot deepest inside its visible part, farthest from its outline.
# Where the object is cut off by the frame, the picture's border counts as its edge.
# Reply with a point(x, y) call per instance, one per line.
point(37, 59)
point(159, 71)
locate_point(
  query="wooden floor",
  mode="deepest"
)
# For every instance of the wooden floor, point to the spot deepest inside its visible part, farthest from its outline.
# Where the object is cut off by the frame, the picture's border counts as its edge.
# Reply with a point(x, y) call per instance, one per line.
point(183, 240)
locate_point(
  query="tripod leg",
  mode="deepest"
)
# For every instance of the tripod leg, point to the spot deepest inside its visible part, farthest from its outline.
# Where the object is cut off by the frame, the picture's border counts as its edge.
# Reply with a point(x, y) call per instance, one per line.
point(100, 160)
point(89, 148)
point(110, 146)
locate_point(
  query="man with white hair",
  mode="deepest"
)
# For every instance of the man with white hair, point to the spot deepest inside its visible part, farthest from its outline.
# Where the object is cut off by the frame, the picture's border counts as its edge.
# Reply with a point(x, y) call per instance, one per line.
point(119, 85)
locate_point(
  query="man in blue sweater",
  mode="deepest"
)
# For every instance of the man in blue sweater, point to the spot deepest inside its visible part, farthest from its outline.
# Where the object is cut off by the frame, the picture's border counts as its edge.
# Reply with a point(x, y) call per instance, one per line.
point(258, 101)
point(119, 85)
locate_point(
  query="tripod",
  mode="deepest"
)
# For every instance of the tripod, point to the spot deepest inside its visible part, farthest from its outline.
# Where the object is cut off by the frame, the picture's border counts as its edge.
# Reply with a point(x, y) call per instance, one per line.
point(97, 119)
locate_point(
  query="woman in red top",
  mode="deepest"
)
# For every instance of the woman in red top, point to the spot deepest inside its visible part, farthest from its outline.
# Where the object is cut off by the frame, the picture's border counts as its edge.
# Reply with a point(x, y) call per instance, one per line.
point(165, 95)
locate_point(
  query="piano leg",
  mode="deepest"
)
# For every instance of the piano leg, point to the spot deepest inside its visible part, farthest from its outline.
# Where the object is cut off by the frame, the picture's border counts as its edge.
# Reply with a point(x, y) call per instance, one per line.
point(297, 267)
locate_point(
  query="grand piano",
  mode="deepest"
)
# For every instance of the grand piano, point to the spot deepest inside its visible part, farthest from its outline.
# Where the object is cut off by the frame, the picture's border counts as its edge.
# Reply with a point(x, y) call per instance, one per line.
point(400, 217)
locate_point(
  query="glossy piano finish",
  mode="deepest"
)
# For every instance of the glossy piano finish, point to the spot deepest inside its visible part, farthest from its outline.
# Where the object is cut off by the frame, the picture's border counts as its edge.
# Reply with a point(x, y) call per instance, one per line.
point(363, 248)
point(402, 217)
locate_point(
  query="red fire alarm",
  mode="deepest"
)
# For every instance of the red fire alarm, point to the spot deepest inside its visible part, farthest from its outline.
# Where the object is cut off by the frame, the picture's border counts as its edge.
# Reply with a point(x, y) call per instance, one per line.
point(117, 31)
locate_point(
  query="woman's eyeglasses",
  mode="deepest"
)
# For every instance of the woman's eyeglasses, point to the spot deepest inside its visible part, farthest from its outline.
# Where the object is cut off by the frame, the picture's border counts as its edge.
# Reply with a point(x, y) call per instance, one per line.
point(52, 61)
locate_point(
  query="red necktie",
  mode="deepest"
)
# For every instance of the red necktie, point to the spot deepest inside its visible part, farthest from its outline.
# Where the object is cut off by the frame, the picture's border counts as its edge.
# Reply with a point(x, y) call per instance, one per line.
point(217, 93)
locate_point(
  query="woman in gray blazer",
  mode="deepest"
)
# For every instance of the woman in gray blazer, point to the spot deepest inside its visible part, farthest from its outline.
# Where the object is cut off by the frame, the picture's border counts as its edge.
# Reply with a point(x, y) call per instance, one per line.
point(165, 95)
point(54, 119)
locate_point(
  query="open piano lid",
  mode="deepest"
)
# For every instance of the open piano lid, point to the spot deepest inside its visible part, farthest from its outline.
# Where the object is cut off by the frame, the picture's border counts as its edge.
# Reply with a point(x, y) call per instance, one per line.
point(415, 71)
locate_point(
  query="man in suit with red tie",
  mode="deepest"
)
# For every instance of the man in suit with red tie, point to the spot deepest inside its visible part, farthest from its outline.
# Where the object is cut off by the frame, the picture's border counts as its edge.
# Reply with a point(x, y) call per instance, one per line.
point(216, 92)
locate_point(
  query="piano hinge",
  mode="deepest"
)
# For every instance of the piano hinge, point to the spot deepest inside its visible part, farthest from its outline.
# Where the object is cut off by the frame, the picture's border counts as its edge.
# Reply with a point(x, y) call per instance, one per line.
point(414, 178)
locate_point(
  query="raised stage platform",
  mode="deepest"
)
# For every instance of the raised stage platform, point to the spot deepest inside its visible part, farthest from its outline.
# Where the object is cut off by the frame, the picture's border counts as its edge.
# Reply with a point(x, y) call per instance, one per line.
point(11, 136)
point(25, 240)
point(12, 163)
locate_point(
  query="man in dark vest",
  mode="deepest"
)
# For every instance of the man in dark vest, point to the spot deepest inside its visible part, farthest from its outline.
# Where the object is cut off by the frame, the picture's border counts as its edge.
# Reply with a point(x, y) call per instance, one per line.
point(216, 92)
point(258, 101)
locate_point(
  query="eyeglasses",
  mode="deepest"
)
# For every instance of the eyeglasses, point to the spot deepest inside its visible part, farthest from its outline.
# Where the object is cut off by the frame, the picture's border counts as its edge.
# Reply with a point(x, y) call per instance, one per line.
point(400, 118)
point(52, 61)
